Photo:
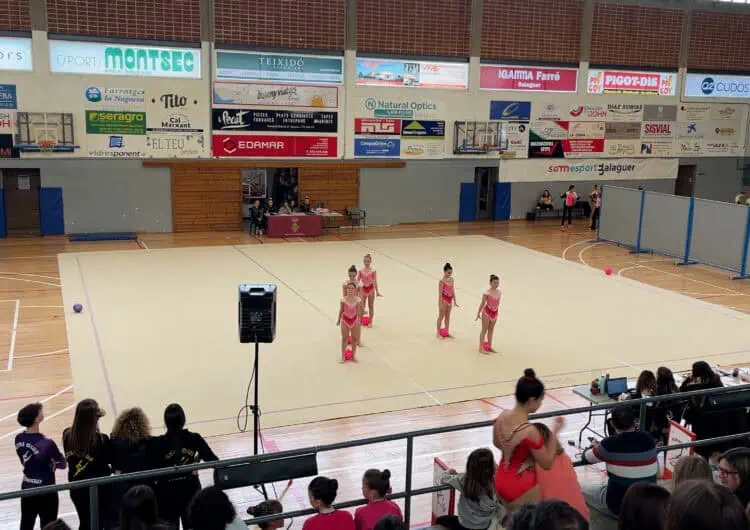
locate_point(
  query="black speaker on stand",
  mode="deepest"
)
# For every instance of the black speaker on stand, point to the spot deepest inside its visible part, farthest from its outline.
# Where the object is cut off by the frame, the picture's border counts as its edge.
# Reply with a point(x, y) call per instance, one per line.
point(257, 323)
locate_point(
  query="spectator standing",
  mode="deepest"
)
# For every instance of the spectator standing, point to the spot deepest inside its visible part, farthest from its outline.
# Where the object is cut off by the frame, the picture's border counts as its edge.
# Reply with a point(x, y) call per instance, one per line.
point(89, 455)
point(560, 481)
point(631, 446)
point(376, 485)
point(40, 458)
point(322, 493)
point(257, 221)
point(477, 506)
point(131, 436)
point(211, 509)
point(595, 198)
point(691, 467)
point(703, 505)
point(178, 447)
point(644, 507)
point(734, 473)
point(569, 198)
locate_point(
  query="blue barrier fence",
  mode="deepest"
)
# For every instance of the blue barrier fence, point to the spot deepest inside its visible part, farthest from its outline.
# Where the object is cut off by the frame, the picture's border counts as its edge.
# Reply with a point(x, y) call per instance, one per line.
point(689, 229)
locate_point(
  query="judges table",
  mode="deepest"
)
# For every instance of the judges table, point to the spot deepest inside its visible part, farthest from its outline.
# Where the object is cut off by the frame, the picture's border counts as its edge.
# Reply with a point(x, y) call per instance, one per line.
point(294, 225)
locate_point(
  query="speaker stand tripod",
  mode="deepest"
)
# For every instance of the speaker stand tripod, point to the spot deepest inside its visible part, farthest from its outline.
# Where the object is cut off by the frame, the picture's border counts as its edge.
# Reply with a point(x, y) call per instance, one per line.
point(256, 414)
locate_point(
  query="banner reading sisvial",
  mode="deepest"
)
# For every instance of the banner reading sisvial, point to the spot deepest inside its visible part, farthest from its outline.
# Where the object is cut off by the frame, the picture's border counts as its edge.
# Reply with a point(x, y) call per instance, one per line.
point(247, 145)
point(276, 95)
point(75, 57)
point(279, 67)
point(528, 78)
point(415, 74)
point(597, 170)
point(636, 83)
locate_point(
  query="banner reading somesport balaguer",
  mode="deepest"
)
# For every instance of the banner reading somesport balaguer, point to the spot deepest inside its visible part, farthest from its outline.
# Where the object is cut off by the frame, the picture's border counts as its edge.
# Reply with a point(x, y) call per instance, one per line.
point(597, 170)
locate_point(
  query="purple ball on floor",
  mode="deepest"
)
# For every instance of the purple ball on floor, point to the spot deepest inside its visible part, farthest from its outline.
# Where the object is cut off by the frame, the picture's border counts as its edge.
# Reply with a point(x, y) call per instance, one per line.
point(77, 308)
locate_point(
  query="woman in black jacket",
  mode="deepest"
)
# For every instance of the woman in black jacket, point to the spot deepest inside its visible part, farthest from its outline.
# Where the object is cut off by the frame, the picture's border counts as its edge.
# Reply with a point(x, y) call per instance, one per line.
point(178, 447)
point(131, 436)
point(89, 455)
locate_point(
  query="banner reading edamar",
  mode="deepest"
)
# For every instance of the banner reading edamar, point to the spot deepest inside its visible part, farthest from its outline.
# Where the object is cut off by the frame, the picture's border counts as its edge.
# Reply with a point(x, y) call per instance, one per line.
point(69, 57)
point(279, 67)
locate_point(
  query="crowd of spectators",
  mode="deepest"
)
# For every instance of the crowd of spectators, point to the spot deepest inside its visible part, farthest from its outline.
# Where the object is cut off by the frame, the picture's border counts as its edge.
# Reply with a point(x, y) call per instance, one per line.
point(533, 487)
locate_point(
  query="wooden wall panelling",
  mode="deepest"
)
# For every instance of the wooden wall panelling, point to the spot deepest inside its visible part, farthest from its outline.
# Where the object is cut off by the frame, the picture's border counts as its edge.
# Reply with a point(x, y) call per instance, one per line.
point(336, 187)
point(206, 199)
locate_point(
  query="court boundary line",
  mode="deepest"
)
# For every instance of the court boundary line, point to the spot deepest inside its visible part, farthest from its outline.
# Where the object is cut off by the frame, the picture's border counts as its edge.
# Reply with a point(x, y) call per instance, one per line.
point(54, 415)
point(45, 400)
point(92, 319)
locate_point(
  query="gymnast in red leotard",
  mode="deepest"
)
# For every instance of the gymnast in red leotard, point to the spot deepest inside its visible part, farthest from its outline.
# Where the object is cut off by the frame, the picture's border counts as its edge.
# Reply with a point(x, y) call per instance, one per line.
point(488, 310)
point(350, 315)
point(446, 299)
point(522, 445)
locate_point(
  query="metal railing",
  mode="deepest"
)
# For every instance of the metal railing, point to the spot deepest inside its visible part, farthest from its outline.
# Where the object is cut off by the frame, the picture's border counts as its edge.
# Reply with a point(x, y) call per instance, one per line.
point(409, 436)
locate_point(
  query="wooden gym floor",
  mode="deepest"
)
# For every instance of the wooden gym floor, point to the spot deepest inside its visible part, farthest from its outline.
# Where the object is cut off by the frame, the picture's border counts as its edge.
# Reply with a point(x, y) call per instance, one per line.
point(35, 365)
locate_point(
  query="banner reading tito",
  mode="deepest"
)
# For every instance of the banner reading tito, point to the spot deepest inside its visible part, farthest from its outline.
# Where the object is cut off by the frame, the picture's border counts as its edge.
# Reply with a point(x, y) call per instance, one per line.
point(68, 57)
point(105, 122)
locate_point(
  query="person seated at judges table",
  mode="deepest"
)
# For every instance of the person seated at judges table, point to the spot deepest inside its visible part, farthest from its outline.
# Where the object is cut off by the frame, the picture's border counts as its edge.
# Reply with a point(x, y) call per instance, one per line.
point(306, 207)
point(285, 209)
point(293, 206)
point(270, 208)
point(545, 201)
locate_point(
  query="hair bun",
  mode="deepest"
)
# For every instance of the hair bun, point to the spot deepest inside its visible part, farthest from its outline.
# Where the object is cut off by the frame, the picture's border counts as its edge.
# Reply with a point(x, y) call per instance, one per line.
point(334, 484)
point(253, 510)
point(529, 372)
point(385, 475)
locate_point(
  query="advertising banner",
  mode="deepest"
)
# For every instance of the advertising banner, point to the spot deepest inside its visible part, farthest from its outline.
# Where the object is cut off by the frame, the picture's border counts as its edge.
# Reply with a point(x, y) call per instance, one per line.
point(411, 148)
point(549, 111)
point(377, 147)
point(651, 130)
point(663, 148)
point(115, 98)
point(6, 147)
point(426, 130)
point(657, 138)
point(7, 122)
point(597, 170)
point(623, 130)
point(622, 148)
point(399, 108)
point(8, 97)
point(77, 57)
point(624, 112)
point(528, 78)
point(274, 120)
point(279, 67)
point(268, 146)
point(636, 83)
point(717, 86)
point(116, 146)
point(273, 95)
point(174, 125)
point(694, 112)
point(583, 147)
point(15, 54)
point(549, 130)
point(587, 113)
point(591, 130)
point(377, 126)
point(414, 74)
point(106, 122)
point(510, 110)
point(715, 138)
point(518, 139)
point(660, 113)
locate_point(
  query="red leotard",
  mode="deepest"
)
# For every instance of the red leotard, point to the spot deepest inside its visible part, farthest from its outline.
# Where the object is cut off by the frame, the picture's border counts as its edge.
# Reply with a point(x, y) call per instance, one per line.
point(447, 292)
point(368, 281)
point(492, 306)
point(509, 484)
point(350, 314)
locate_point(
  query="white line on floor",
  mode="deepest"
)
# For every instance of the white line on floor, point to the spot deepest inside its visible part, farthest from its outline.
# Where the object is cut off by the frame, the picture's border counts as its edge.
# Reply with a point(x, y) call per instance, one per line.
point(581, 252)
point(63, 411)
point(29, 281)
point(45, 400)
point(13, 332)
point(31, 275)
point(42, 306)
point(412, 381)
point(564, 252)
point(44, 354)
point(692, 279)
point(621, 271)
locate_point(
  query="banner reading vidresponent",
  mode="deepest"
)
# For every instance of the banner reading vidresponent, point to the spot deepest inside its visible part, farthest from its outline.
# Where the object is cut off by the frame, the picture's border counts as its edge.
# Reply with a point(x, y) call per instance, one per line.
point(70, 57)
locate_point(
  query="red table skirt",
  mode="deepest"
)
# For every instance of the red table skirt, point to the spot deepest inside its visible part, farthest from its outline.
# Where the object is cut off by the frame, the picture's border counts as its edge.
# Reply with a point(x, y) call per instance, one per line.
point(294, 226)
